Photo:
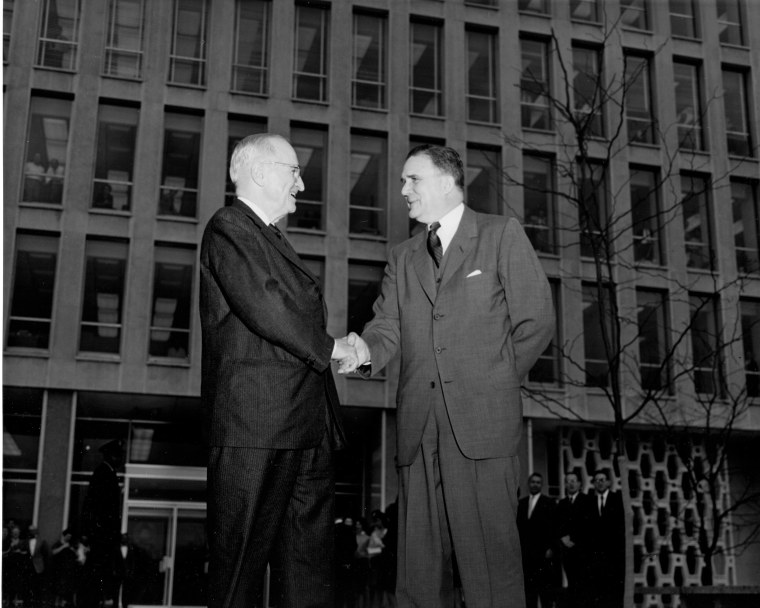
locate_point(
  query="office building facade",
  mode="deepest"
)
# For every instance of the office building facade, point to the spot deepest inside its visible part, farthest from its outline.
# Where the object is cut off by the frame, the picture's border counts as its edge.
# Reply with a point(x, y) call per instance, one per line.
point(120, 117)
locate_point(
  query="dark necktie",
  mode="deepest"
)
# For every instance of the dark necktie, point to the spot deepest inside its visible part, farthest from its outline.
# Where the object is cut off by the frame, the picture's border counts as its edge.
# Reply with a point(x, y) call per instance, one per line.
point(281, 237)
point(435, 249)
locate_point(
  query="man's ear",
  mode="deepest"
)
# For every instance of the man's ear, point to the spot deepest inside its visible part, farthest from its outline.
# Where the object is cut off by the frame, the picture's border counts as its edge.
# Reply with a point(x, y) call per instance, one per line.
point(257, 174)
point(448, 183)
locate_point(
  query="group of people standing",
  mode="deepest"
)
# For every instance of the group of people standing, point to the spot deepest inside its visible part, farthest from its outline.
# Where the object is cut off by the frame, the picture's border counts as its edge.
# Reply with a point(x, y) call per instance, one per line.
point(582, 535)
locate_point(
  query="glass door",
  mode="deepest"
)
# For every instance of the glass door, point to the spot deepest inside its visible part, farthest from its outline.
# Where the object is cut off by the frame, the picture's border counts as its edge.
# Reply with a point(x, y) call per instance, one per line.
point(166, 562)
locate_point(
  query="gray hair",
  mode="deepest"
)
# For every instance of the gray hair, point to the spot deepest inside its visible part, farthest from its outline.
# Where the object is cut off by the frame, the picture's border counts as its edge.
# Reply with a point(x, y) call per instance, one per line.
point(248, 149)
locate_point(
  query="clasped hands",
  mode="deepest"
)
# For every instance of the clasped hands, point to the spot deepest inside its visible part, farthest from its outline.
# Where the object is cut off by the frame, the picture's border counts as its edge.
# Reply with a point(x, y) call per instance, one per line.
point(350, 352)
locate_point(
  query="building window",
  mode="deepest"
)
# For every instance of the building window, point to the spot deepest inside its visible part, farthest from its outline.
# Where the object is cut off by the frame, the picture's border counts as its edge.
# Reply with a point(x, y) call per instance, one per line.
point(368, 201)
point(114, 165)
point(482, 85)
point(588, 90)
point(426, 87)
point(547, 368)
point(172, 291)
point(369, 77)
point(737, 113)
point(597, 328)
point(746, 223)
point(730, 22)
point(238, 128)
point(22, 424)
point(652, 337)
point(593, 209)
point(696, 222)
point(534, 85)
point(187, 63)
point(180, 168)
point(250, 67)
point(364, 279)
point(59, 34)
point(103, 301)
point(750, 312)
point(585, 10)
point(310, 69)
point(688, 106)
point(33, 284)
point(683, 19)
point(483, 178)
point(533, 6)
point(124, 38)
point(46, 147)
point(633, 13)
point(538, 188)
point(705, 344)
point(311, 148)
point(646, 215)
point(7, 27)
point(638, 100)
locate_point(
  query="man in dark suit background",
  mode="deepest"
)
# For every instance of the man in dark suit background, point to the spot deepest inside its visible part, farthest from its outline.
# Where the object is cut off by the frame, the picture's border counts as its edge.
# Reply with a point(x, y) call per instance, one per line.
point(101, 524)
point(469, 305)
point(572, 528)
point(268, 392)
point(606, 549)
point(536, 524)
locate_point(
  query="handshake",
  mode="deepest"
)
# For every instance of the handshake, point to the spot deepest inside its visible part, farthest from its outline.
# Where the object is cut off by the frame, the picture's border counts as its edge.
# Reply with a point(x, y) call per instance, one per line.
point(350, 352)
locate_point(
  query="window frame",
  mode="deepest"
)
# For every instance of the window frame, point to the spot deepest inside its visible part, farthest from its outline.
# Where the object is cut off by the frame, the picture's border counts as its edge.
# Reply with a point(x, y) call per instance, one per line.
point(743, 251)
point(737, 104)
point(490, 100)
point(533, 226)
point(117, 252)
point(435, 92)
point(703, 200)
point(380, 84)
point(171, 254)
point(240, 67)
point(112, 51)
point(642, 122)
point(538, 103)
point(39, 243)
point(643, 242)
point(48, 44)
point(661, 367)
point(197, 61)
point(321, 75)
point(361, 141)
point(689, 125)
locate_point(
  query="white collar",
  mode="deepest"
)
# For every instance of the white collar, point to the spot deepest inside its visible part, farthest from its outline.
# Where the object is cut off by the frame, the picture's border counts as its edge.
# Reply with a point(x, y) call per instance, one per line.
point(449, 224)
point(257, 210)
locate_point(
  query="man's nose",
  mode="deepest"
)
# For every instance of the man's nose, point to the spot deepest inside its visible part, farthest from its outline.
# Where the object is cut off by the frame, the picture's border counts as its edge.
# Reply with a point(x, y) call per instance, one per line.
point(300, 185)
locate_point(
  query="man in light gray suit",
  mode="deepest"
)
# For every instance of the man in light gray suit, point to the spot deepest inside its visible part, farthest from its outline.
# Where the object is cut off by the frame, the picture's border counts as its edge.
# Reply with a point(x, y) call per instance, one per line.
point(468, 304)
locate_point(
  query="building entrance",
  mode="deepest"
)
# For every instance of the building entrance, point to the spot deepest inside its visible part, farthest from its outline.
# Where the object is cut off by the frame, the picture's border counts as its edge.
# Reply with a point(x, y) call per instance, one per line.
point(166, 561)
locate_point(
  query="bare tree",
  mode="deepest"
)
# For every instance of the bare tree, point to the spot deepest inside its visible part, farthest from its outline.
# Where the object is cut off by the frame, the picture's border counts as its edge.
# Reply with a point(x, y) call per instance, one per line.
point(669, 378)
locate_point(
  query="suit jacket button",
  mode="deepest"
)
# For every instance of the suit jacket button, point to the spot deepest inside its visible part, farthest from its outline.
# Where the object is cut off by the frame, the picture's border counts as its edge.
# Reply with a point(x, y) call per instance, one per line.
point(438, 349)
point(432, 384)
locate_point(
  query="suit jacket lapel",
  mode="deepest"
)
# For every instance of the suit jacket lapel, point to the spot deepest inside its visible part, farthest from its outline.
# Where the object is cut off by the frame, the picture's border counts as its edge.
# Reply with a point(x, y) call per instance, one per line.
point(460, 245)
point(423, 264)
point(278, 243)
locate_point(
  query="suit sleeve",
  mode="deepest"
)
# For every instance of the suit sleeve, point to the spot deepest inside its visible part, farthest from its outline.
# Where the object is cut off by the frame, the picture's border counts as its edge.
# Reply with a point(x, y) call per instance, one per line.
point(383, 332)
point(255, 295)
point(529, 297)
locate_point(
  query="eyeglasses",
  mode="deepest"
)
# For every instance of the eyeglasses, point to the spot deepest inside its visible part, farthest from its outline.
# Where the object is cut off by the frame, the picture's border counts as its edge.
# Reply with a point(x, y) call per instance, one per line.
point(294, 169)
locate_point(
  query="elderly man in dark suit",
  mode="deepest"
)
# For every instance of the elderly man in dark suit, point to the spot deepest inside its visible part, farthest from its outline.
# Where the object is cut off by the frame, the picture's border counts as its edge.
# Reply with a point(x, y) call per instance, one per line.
point(468, 304)
point(268, 391)
point(536, 525)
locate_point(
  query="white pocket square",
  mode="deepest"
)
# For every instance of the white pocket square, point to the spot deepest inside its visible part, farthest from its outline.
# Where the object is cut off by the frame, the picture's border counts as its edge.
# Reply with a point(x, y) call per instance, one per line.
point(474, 273)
